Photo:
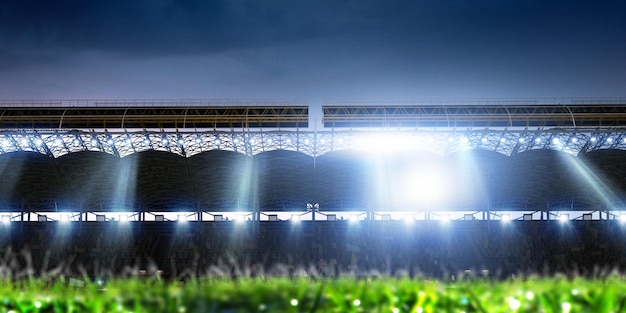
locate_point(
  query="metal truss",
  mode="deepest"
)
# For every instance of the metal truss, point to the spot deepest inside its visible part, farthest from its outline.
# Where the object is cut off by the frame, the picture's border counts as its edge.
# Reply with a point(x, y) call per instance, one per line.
point(56, 143)
point(206, 115)
point(358, 115)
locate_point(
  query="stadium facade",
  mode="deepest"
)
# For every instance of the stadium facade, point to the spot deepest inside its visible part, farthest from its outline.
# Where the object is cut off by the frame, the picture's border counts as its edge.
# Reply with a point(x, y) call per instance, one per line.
point(272, 160)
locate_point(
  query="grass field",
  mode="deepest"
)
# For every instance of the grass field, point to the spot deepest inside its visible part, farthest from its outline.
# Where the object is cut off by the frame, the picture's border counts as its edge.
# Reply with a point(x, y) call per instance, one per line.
point(557, 294)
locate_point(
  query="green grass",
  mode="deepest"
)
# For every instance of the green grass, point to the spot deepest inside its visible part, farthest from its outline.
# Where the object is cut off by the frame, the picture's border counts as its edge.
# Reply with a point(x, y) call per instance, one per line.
point(321, 295)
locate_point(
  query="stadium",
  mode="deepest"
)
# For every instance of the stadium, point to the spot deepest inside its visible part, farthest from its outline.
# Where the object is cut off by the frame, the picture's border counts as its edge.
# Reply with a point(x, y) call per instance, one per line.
point(433, 188)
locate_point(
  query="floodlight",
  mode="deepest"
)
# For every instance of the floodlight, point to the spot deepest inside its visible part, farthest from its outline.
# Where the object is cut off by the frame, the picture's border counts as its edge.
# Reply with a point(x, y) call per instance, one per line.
point(354, 218)
point(110, 141)
point(58, 141)
point(521, 139)
point(622, 219)
point(609, 140)
point(164, 141)
point(24, 142)
point(269, 141)
point(94, 142)
point(502, 140)
point(65, 218)
point(240, 218)
point(6, 219)
point(198, 140)
point(593, 139)
point(409, 219)
point(483, 140)
point(555, 141)
point(537, 140)
point(76, 142)
point(123, 218)
point(505, 218)
point(146, 142)
point(181, 141)
point(219, 142)
point(295, 218)
point(424, 186)
point(38, 142)
point(445, 218)
point(182, 218)
point(563, 218)
point(574, 140)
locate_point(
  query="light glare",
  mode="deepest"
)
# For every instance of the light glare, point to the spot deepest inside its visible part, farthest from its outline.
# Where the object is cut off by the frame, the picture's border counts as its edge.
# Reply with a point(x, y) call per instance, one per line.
point(354, 218)
point(424, 187)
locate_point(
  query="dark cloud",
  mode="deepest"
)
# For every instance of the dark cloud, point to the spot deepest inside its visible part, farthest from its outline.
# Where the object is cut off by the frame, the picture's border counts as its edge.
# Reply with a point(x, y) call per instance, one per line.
point(195, 26)
point(283, 47)
point(158, 27)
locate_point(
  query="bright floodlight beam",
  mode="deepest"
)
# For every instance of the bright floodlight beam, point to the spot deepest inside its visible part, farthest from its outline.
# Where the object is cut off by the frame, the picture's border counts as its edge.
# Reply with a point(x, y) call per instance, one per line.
point(445, 218)
point(505, 218)
point(563, 218)
point(425, 187)
point(354, 218)
point(240, 218)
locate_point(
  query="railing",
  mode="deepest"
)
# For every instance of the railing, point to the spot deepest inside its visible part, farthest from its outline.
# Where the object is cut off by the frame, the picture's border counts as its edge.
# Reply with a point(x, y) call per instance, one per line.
point(300, 101)
point(148, 102)
point(479, 101)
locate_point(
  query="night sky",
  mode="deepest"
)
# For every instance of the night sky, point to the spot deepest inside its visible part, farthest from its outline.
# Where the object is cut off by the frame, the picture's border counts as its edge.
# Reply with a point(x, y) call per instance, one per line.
point(80, 49)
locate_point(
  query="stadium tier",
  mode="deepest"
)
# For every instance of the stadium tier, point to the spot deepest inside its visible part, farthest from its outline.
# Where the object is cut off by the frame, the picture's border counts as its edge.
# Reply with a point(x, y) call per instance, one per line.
point(276, 159)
